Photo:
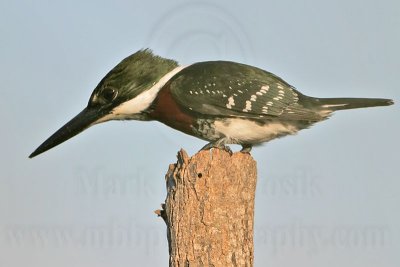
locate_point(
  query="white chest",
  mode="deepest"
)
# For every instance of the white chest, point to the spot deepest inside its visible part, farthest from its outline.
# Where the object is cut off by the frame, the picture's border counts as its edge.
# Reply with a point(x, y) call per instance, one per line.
point(245, 131)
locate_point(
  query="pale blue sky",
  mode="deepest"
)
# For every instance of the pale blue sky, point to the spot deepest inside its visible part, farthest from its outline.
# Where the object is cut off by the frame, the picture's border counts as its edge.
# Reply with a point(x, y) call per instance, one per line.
point(326, 197)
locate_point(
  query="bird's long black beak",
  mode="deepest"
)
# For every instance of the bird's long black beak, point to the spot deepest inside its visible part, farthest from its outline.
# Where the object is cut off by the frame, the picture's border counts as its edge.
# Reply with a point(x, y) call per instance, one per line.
point(76, 125)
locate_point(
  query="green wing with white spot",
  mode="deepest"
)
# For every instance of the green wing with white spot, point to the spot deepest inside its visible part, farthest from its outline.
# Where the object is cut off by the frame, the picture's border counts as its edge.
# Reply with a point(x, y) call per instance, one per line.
point(229, 89)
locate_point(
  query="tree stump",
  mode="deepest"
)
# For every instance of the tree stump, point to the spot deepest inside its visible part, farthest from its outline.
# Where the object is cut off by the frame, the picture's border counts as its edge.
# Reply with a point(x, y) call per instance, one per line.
point(209, 209)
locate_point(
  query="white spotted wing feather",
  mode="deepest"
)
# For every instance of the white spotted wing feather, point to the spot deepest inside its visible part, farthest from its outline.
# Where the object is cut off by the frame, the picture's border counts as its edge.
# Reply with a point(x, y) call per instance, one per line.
point(228, 89)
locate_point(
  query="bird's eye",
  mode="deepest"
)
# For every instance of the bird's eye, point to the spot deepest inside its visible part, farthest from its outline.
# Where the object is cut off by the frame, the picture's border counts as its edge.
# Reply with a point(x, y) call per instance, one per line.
point(109, 94)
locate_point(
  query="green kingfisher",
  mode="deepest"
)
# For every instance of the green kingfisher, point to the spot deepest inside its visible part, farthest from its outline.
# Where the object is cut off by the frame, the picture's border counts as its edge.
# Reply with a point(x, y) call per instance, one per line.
point(221, 102)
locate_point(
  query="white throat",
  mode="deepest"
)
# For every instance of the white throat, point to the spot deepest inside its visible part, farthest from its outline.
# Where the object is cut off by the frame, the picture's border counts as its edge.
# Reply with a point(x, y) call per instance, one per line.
point(131, 108)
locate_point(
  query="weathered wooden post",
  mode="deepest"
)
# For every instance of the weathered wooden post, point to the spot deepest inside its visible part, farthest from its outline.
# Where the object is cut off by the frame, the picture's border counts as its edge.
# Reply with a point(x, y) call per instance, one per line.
point(209, 209)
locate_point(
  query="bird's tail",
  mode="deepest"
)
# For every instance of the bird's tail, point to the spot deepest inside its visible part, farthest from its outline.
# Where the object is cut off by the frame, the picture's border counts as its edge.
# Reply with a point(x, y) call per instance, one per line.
point(333, 104)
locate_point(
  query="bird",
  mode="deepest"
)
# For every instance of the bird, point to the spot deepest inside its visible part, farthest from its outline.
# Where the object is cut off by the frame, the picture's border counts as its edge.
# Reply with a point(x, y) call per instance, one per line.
point(221, 102)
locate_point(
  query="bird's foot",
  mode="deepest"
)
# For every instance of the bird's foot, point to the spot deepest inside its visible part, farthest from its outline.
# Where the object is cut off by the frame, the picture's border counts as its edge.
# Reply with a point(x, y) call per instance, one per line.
point(220, 144)
point(246, 148)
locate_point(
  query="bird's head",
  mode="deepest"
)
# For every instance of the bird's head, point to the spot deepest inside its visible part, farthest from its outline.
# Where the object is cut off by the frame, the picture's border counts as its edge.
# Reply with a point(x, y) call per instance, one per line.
point(124, 93)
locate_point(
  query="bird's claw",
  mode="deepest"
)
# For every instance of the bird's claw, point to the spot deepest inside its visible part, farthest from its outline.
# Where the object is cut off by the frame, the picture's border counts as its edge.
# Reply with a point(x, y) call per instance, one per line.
point(246, 148)
point(218, 145)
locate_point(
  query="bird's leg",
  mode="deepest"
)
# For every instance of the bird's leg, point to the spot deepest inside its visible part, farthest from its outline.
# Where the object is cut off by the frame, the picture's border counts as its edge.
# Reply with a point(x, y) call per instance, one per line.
point(246, 148)
point(220, 143)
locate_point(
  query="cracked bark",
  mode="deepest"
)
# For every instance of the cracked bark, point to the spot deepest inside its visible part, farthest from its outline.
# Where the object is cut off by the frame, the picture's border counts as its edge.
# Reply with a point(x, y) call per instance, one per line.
point(209, 209)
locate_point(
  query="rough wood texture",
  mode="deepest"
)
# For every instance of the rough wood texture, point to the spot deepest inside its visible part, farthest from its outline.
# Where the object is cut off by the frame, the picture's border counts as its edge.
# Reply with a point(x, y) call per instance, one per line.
point(209, 210)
